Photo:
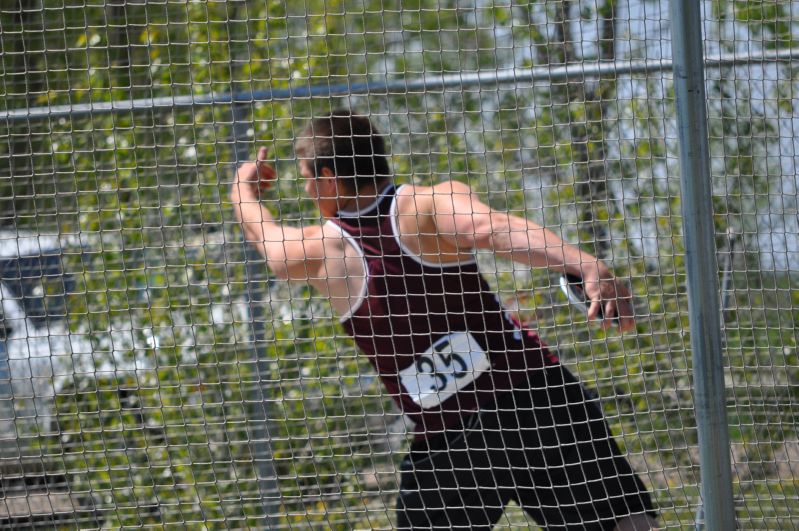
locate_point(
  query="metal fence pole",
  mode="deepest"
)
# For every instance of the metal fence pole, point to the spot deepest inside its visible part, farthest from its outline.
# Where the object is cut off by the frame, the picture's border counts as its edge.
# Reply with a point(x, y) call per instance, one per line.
point(9, 449)
point(260, 444)
point(387, 86)
point(701, 266)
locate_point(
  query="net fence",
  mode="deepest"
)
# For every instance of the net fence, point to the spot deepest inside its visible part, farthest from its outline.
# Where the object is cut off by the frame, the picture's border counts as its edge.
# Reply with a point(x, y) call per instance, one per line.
point(154, 373)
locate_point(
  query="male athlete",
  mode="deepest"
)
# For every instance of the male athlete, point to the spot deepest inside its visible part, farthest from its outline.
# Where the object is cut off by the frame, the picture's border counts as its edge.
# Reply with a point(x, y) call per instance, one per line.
point(497, 418)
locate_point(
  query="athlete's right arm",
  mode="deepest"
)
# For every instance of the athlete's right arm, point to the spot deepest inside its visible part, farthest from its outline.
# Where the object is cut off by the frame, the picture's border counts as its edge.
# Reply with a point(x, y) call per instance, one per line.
point(291, 253)
point(455, 215)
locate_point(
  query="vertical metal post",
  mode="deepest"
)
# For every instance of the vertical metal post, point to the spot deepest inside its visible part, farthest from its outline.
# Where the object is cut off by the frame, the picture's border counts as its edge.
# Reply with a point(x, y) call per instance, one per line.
point(9, 448)
point(701, 266)
point(256, 274)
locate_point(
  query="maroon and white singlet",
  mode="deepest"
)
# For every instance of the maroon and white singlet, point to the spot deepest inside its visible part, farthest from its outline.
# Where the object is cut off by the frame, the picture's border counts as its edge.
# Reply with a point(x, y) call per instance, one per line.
point(440, 340)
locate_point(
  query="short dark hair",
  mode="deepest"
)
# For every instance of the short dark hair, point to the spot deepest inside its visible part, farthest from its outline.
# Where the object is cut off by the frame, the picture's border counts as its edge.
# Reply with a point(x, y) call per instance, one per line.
point(349, 144)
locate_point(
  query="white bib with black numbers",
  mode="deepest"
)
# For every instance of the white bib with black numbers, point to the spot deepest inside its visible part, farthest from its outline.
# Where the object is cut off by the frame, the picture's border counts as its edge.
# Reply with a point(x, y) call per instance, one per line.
point(450, 364)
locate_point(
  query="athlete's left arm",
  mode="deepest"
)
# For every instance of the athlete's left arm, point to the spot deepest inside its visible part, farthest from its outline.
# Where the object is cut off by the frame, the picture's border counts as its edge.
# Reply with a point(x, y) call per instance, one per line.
point(463, 220)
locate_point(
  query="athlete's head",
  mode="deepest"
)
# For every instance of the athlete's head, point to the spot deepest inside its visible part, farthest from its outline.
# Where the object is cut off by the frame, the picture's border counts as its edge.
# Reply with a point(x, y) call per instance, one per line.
point(347, 147)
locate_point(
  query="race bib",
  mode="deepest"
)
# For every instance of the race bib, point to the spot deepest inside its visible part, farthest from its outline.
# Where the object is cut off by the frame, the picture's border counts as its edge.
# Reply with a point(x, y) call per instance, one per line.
point(450, 364)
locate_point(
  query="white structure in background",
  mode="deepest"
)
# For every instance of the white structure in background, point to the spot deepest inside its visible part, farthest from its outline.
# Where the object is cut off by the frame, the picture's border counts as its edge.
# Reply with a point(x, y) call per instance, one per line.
point(35, 348)
point(36, 335)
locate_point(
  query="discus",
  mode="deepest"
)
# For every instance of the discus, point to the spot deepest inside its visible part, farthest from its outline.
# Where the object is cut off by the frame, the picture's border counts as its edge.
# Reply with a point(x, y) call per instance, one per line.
point(572, 286)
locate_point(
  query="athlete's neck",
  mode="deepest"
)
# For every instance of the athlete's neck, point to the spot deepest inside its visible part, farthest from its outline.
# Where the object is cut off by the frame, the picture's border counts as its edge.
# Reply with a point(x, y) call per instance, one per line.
point(365, 201)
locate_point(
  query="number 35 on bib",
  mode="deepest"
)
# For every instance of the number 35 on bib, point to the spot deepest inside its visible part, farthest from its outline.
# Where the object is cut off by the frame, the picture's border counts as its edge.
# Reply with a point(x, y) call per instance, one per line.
point(450, 364)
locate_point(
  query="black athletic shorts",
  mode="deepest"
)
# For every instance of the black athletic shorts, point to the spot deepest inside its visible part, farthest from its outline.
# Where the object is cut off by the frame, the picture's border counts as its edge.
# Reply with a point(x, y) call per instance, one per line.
point(548, 448)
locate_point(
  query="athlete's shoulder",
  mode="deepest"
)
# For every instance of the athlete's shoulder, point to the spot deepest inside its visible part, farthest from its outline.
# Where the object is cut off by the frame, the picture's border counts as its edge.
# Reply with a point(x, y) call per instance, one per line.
point(451, 187)
point(331, 232)
point(443, 187)
point(422, 199)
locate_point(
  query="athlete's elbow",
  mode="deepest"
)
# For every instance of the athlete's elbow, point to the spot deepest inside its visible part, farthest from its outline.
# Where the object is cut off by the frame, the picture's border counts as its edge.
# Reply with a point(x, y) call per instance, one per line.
point(496, 236)
point(278, 268)
point(285, 264)
point(480, 234)
point(274, 258)
point(513, 246)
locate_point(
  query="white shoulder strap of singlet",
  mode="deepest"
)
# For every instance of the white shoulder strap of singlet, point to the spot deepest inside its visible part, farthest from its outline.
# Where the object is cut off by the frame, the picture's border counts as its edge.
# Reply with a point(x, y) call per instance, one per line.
point(356, 302)
point(395, 229)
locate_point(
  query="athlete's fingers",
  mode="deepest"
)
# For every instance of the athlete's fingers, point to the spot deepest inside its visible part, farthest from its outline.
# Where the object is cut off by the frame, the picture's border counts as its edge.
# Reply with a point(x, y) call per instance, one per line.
point(626, 324)
point(247, 173)
point(266, 172)
point(611, 303)
point(594, 310)
point(608, 322)
point(624, 315)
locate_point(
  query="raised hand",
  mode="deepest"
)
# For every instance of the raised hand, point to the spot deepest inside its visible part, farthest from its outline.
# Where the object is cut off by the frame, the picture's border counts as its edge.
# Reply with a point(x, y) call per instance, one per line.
point(254, 177)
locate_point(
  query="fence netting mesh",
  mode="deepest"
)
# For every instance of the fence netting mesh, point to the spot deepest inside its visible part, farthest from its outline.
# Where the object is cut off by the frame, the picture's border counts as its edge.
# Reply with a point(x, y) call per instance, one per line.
point(153, 372)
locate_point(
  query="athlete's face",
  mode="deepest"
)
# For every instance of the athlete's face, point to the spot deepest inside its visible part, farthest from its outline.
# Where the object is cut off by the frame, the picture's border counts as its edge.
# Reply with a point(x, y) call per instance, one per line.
point(323, 189)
